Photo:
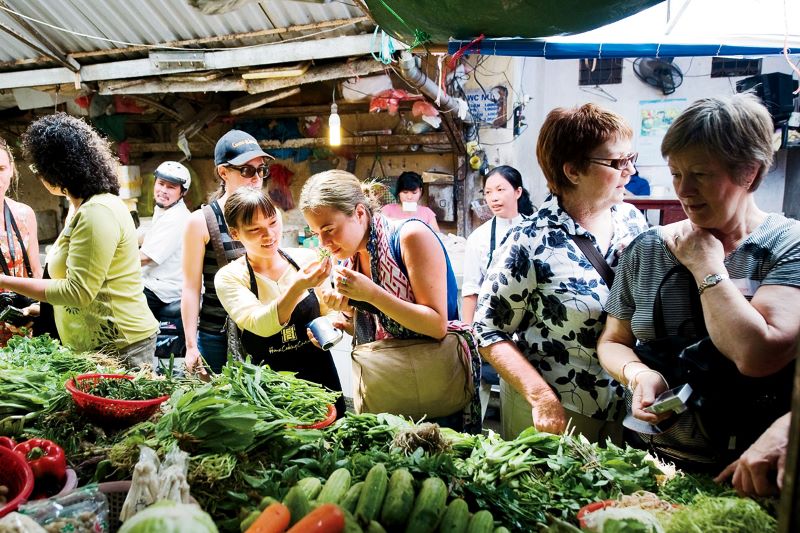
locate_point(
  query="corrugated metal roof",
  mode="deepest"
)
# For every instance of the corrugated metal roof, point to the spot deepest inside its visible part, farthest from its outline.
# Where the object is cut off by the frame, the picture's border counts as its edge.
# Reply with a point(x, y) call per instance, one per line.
point(152, 22)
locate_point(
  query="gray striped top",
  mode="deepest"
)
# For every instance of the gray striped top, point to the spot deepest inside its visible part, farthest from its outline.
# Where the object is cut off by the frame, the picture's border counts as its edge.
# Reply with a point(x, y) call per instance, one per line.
point(768, 256)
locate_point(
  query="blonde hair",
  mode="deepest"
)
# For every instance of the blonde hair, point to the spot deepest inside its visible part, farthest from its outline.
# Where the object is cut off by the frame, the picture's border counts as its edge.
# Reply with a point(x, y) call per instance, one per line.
point(336, 189)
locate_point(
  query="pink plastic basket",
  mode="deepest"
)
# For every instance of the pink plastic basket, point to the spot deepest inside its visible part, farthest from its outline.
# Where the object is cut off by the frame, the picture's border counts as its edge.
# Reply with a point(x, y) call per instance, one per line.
point(16, 474)
point(107, 411)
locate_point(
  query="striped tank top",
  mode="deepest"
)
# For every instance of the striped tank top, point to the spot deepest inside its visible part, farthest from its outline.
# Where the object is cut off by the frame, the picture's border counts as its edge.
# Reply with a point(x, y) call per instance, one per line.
point(212, 314)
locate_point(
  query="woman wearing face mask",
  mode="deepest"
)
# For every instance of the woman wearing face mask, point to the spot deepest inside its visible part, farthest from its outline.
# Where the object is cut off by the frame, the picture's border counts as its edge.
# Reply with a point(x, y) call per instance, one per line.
point(240, 163)
point(270, 295)
point(408, 191)
point(511, 203)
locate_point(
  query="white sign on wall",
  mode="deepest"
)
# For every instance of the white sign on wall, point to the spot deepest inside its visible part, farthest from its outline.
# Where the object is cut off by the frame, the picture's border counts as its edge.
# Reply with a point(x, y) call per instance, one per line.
point(489, 108)
point(655, 118)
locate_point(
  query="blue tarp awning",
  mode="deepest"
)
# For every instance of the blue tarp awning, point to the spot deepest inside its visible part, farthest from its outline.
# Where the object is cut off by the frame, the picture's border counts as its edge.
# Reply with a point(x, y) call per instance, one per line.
point(670, 29)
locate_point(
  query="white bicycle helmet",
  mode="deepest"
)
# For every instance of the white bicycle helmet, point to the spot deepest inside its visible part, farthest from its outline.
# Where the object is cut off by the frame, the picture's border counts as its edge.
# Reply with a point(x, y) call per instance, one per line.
point(174, 172)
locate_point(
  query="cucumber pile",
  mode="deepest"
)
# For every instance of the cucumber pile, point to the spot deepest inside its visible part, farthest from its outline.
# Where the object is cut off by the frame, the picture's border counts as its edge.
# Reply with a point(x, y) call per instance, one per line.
point(384, 503)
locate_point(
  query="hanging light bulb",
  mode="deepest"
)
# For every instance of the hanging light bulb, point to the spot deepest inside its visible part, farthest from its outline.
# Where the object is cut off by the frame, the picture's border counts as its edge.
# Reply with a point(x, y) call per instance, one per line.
point(334, 127)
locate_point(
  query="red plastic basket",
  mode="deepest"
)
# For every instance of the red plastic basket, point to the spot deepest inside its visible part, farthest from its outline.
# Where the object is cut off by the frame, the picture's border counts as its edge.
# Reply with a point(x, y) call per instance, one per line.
point(16, 474)
point(108, 411)
point(329, 419)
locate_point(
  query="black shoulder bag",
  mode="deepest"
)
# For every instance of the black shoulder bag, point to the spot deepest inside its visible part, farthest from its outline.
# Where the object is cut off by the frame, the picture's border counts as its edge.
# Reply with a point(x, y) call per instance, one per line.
point(730, 409)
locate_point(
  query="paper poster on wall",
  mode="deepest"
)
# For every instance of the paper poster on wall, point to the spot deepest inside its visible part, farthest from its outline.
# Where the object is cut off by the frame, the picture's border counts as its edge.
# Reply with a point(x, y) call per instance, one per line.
point(489, 108)
point(656, 116)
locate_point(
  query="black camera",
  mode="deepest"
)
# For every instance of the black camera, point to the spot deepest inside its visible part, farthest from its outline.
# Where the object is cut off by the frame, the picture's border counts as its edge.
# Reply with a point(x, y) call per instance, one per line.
point(11, 306)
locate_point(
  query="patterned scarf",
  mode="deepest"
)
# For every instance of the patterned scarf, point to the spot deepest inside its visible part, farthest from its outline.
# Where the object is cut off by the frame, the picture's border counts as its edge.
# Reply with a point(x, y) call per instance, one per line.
point(387, 274)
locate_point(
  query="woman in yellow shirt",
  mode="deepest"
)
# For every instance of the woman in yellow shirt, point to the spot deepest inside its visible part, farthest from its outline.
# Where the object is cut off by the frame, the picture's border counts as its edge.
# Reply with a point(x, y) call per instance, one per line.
point(96, 287)
point(269, 293)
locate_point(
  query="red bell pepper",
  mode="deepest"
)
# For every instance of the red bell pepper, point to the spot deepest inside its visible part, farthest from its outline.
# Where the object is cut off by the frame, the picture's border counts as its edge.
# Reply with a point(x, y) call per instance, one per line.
point(48, 463)
point(7, 442)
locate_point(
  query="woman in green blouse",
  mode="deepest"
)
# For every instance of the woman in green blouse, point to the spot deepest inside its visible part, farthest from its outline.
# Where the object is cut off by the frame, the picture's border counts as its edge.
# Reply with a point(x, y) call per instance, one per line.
point(96, 287)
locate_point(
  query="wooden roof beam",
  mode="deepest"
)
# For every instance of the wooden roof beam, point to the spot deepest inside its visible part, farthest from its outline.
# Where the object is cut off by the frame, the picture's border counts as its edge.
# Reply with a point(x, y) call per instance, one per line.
point(360, 67)
point(373, 141)
point(268, 54)
point(224, 38)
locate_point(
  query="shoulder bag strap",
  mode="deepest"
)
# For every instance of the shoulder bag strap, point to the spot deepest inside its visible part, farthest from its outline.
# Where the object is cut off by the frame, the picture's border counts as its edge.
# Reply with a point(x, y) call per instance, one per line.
point(3, 262)
point(10, 220)
point(694, 302)
point(598, 261)
point(215, 235)
point(492, 242)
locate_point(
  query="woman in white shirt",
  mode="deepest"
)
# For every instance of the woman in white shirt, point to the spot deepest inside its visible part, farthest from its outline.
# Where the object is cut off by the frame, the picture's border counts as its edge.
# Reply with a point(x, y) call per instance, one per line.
point(511, 203)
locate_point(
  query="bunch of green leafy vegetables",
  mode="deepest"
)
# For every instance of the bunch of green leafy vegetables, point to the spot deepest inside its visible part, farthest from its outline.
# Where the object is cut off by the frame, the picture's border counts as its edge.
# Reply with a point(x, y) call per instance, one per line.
point(139, 388)
point(276, 395)
point(207, 419)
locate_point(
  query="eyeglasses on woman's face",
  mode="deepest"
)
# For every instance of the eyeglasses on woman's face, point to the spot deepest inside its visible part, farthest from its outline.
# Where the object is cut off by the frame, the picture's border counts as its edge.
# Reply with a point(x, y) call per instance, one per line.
point(248, 171)
point(620, 163)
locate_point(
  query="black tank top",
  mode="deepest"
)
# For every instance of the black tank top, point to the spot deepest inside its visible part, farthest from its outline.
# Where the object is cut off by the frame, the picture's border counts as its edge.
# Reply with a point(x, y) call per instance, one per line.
point(212, 314)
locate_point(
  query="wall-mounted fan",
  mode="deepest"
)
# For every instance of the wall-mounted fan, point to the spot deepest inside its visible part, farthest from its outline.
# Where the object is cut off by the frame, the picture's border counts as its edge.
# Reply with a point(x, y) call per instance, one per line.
point(659, 73)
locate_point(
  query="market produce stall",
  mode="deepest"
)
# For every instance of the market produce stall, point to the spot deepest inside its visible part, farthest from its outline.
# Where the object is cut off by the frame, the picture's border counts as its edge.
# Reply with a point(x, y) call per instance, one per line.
point(254, 450)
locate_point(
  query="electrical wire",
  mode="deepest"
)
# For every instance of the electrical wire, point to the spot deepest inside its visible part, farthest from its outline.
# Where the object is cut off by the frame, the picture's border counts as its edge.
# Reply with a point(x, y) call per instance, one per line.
point(163, 47)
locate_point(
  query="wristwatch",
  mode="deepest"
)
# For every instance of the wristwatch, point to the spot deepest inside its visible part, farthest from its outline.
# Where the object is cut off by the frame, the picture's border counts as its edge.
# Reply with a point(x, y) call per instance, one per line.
point(710, 281)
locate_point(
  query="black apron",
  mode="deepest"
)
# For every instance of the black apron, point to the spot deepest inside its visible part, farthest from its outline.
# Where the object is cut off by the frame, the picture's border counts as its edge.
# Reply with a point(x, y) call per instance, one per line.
point(290, 350)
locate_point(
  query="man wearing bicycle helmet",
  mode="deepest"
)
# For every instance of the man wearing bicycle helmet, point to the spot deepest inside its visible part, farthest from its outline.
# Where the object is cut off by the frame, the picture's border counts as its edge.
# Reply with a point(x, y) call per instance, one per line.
point(162, 243)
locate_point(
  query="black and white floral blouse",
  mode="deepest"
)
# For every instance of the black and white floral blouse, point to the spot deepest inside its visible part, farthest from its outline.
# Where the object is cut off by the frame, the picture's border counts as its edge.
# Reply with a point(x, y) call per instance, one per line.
point(542, 293)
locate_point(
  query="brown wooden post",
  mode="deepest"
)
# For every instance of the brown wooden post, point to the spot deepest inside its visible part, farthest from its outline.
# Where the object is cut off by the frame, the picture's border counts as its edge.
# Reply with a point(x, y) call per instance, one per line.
point(789, 510)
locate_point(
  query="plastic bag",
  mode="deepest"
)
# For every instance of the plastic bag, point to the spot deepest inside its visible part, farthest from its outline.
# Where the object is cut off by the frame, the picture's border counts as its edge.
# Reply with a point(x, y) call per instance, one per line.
point(84, 510)
point(144, 486)
point(172, 476)
point(19, 523)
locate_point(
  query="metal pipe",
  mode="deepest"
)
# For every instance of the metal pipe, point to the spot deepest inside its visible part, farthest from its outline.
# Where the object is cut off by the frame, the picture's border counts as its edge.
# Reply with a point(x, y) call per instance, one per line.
point(410, 71)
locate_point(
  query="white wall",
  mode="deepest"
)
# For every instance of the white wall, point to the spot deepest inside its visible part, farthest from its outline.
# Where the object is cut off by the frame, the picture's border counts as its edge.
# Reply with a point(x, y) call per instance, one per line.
point(553, 84)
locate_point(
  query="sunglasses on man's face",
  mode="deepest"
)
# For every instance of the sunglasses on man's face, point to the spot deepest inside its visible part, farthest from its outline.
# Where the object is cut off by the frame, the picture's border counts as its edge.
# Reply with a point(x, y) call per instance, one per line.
point(248, 171)
point(620, 163)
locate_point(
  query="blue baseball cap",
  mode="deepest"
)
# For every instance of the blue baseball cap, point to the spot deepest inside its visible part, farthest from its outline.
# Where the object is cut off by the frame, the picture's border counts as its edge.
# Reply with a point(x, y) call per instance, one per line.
point(237, 148)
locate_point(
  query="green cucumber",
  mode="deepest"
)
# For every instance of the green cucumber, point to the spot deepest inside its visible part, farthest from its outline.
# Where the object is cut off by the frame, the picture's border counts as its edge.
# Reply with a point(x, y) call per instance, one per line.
point(456, 517)
point(311, 486)
point(336, 487)
point(372, 494)
point(297, 502)
point(399, 499)
point(428, 507)
point(350, 499)
point(481, 522)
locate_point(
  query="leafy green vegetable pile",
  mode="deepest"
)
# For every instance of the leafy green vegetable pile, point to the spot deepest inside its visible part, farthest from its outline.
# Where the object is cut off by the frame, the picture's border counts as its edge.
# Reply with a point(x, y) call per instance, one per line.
point(126, 389)
point(241, 431)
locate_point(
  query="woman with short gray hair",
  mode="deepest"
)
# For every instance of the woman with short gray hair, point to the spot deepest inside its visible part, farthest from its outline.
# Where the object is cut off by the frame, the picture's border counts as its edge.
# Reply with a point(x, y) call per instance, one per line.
point(742, 268)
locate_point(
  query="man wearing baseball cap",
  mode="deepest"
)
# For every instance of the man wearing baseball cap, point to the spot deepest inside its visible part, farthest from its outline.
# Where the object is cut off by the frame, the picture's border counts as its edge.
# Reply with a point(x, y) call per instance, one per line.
point(162, 242)
point(207, 245)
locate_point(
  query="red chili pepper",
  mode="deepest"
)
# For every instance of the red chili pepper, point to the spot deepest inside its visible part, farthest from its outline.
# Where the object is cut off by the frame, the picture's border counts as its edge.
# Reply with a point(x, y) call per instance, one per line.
point(7, 442)
point(48, 463)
